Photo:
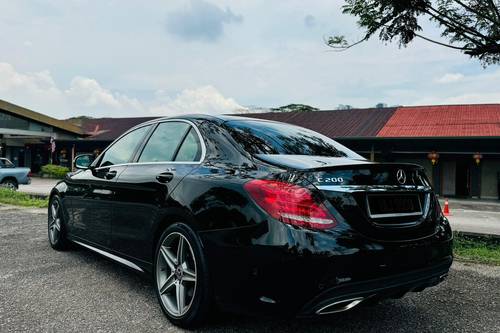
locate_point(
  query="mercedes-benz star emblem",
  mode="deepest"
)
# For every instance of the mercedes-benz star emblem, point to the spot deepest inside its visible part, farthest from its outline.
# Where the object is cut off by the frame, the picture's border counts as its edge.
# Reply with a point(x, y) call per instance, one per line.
point(401, 176)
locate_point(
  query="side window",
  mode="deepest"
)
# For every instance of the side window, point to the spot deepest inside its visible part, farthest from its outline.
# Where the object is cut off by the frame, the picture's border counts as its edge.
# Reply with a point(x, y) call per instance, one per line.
point(121, 151)
point(190, 150)
point(163, 144)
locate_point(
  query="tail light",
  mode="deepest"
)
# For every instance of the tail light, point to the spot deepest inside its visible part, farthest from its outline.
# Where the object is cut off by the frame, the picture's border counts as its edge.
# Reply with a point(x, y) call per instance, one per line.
point(290, 204)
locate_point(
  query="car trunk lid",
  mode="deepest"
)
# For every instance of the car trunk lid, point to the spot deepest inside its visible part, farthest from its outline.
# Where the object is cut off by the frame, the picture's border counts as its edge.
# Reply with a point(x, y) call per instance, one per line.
point(386, 201)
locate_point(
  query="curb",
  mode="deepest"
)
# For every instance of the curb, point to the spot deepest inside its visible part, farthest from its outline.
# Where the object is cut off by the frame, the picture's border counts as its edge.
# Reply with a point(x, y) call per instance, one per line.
point(36, 195)
point(477, 235)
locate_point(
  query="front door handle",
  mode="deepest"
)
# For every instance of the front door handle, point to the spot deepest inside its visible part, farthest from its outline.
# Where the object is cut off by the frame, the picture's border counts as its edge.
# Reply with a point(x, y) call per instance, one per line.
point(165, 177)
point(110, 174)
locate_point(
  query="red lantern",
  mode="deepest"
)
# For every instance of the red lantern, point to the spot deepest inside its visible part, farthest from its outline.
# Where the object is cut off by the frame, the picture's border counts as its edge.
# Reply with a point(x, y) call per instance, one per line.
point(477, 157)
point(434, 157)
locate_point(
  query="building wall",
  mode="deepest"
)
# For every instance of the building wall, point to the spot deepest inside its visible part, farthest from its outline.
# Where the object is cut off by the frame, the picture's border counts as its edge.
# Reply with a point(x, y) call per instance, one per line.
point(490, 169)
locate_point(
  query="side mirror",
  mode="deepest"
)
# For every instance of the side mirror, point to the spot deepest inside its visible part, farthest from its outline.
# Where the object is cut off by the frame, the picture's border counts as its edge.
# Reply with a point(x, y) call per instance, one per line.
point(83, 161)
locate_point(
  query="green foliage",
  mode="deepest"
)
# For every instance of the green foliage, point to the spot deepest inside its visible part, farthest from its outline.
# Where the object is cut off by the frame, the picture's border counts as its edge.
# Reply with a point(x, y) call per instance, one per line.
point(471, 26)
point(345, 107)
point(54, 171)
point(10, 197)
point(484, 250)
point(295, 108)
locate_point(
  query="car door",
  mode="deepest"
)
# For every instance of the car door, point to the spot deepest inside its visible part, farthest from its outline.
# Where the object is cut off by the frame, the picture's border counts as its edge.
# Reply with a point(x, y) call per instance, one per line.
point(93, 191)
point(173, 150)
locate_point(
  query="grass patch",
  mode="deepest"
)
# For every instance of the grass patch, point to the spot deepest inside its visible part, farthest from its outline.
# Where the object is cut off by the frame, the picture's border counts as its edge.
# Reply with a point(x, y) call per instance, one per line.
point(480, 249)
point(21, 199)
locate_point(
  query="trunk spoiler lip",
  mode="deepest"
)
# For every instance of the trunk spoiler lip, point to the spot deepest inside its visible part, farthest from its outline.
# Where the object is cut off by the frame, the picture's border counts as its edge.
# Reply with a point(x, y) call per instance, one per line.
point(356, 163)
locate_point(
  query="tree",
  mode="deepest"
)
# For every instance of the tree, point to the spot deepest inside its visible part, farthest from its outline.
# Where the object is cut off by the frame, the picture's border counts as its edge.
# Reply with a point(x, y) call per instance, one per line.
point(470, 26)
point(344, 107)
point(295, 108)
point(380, 105)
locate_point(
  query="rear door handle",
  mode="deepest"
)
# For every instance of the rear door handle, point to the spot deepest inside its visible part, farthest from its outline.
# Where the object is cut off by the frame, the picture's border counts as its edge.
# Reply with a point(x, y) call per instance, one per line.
point(110, 174)
point(165, 177)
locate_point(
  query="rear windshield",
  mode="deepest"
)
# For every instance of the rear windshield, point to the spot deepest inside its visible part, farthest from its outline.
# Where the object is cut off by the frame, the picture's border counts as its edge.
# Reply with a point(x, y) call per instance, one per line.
point(262, 137)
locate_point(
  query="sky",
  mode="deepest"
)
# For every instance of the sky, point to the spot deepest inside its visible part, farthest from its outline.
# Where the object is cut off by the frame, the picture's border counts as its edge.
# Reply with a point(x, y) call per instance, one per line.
point(124, 58)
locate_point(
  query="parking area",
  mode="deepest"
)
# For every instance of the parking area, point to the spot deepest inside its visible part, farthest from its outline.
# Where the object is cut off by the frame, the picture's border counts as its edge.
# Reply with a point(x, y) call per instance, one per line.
point(48, 291)
point(475, 216)
point(39, 186)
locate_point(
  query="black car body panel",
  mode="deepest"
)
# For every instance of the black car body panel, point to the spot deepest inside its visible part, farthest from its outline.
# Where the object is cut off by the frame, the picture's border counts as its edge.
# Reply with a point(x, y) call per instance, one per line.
point(257, 263)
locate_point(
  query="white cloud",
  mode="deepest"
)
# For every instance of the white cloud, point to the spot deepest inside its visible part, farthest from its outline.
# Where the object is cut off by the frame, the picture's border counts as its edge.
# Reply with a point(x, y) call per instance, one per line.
point(481, 88)
point(450, 78)
point(472, 98)
point(205, 99)
point(86, 96)
point(90, 93)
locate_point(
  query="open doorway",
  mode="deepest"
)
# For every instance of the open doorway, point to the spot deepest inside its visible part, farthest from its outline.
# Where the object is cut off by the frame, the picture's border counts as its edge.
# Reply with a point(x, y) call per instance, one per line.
point(462, 180)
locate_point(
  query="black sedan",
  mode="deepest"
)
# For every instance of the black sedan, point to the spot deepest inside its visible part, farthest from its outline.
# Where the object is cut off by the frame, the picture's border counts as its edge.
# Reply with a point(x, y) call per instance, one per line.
point(256, 216)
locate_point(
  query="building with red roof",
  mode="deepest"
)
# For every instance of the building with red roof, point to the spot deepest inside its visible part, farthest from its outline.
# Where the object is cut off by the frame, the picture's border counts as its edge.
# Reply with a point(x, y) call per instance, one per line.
point(458, 145)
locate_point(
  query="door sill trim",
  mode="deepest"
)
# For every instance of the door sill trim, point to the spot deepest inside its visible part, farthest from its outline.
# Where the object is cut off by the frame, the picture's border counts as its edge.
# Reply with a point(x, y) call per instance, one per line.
point(111, 256)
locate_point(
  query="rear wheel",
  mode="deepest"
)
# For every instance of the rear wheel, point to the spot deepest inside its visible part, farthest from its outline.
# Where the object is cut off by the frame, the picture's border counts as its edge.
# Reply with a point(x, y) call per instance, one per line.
point(10, 184)
point(181, 276)
point(56, 225)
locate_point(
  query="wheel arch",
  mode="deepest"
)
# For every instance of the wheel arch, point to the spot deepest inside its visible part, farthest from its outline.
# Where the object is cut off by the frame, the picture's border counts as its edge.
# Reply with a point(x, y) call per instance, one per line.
point(167, 219)
point(14, 179)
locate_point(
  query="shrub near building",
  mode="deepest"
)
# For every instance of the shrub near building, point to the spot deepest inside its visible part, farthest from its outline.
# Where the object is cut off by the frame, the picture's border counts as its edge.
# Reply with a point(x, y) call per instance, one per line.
point(54, 171)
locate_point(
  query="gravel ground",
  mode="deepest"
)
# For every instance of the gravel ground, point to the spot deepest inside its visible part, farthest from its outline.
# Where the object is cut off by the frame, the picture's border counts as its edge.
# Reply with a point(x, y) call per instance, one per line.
point(42, 290)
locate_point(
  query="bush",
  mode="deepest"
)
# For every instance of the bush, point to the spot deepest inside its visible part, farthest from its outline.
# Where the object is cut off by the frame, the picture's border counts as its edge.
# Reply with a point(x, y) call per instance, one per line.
point(54, 171)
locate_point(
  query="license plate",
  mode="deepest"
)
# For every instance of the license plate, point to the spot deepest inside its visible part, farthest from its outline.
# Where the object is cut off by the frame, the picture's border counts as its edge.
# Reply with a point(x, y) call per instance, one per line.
point(383, 206)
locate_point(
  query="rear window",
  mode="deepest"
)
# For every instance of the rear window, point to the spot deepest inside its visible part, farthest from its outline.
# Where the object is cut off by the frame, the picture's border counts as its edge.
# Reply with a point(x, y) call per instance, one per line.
point(262, 137)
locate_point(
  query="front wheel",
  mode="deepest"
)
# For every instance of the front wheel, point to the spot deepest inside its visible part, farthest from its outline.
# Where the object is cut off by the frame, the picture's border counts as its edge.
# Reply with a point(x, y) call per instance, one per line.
point(181, 276)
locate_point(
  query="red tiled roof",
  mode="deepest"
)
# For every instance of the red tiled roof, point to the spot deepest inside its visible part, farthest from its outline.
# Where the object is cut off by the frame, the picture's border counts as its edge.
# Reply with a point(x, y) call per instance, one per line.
point(444, 121)
point(335, 124)
point(415, 121)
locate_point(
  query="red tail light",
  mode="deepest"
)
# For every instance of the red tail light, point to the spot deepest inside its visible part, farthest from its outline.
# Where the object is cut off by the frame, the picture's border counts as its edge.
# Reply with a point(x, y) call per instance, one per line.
point(290, 204)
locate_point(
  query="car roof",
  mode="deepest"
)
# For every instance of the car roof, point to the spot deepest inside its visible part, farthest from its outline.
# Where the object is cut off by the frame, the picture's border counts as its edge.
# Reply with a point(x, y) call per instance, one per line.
point(219, 119)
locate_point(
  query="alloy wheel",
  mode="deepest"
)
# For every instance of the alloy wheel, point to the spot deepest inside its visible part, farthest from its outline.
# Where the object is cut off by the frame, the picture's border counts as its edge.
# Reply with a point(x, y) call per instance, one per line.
point(54, 222)
point(176, 274)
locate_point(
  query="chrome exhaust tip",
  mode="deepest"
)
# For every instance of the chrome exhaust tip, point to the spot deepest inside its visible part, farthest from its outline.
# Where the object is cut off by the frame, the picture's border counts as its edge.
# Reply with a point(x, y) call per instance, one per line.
point(340, 306)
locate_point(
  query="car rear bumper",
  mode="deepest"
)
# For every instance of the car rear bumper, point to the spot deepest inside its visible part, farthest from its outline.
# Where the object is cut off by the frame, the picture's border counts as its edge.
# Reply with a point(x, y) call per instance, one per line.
point(291, 271)
point(344, 297)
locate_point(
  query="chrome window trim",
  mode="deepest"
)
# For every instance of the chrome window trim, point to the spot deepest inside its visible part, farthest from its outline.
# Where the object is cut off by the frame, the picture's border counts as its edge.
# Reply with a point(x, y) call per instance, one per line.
point(130, 130)
point(111, 256)
point(200, 138)
point(155, 124)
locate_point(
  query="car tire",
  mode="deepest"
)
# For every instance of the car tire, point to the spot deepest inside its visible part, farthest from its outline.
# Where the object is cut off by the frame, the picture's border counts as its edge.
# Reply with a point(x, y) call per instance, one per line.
point(181, 276)
point(10, 184)
point(56, 225)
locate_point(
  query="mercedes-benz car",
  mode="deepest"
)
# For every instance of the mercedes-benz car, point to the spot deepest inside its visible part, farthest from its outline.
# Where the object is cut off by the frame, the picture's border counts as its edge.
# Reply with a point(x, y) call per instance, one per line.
point(253, 216)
